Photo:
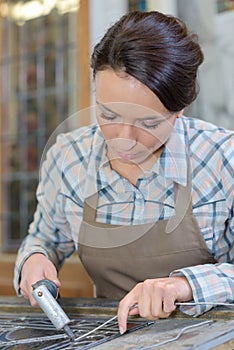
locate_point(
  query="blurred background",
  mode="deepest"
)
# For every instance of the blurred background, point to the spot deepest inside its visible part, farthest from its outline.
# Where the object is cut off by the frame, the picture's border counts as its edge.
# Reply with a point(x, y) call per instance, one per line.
point(45, 49)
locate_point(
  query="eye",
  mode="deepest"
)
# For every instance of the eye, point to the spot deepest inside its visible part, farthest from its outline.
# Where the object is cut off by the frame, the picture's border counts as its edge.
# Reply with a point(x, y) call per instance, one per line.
point(109, 117)
point(151, 124)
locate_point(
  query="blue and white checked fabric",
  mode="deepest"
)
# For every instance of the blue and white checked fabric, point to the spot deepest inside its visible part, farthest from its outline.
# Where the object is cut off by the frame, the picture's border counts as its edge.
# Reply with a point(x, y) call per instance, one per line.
point(77, 166)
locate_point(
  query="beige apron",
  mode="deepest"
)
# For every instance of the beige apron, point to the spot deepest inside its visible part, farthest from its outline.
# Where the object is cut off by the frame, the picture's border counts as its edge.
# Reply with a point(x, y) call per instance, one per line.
point(150, 252)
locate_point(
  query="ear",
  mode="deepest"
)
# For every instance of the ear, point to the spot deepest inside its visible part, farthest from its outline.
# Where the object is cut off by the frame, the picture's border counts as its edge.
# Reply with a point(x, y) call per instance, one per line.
point(180, 113)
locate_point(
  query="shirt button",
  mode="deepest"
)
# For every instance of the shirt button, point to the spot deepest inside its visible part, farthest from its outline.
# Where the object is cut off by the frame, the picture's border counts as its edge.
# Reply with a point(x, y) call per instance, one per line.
point(138, 196)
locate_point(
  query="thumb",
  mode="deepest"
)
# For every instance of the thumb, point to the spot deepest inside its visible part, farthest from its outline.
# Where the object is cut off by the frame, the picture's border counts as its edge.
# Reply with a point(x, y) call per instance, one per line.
point(134, 310)
point(52, 275)
point(56, 281)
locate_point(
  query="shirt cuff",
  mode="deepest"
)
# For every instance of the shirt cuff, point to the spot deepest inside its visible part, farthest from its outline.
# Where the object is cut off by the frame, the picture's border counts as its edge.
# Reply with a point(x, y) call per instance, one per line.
point(201, 289)
point(18, 268)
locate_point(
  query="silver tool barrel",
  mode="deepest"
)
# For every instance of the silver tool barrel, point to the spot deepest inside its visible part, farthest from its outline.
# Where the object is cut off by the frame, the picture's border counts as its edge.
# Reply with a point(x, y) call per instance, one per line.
point(50, 306)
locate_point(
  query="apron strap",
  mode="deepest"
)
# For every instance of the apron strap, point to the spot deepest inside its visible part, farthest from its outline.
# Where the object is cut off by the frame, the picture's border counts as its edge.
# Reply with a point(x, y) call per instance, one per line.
point(183, 201)
point(90, 205)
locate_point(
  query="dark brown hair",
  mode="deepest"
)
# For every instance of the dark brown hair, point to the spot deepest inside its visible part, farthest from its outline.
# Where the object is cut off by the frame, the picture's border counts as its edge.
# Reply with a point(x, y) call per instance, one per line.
point(156, 49)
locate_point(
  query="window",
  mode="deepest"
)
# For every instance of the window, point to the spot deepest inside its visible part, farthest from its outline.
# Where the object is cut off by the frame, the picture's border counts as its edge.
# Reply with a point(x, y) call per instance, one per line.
point(39, 89)
point(225, 5)
point(135, 5)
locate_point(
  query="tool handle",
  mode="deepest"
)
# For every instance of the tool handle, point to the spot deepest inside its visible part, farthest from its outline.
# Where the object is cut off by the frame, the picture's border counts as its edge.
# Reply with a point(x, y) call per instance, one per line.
point(51, 286)
point(48, 304)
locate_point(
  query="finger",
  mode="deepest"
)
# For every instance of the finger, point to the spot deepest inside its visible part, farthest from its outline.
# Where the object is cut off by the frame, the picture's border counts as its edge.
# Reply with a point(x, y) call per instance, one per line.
point(30, 296)
point(162, 306)
point(26, 292)
point(169, 305)
point(55, 280)
point(51, 274)
point(123, 312)
point(22, 291)
point(157, 304)
point(24, 295)
point(28, 289)
point(144, 303)
point(134, 310)
point(126, 307)
point(25, 289)
point(33, 302)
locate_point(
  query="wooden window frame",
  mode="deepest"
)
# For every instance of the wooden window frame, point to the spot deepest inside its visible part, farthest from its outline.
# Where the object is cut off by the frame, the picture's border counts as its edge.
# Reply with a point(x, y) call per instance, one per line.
point(82, 287)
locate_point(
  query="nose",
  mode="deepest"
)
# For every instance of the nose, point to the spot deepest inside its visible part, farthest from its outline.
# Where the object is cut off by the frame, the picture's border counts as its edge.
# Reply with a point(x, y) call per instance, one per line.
point(127, 136)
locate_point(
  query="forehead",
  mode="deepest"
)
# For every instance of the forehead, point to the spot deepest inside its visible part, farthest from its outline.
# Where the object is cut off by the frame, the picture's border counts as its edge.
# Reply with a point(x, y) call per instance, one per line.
point(121, 91)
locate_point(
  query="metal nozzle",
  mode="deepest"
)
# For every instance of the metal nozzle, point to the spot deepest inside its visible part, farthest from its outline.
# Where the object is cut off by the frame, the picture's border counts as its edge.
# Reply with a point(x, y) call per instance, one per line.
point(69, 332)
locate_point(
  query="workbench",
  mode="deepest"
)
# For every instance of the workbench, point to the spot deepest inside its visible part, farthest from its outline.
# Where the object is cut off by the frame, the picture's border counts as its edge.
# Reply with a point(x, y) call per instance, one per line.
point(216, 334)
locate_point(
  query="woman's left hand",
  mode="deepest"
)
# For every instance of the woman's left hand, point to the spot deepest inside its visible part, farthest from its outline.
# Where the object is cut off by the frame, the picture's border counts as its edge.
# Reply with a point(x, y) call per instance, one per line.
point(154, 298)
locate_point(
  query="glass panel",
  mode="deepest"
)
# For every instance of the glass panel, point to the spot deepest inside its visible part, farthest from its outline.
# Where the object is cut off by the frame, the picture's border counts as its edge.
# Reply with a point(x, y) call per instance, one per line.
point(225, 5)
point(39, 91)
point(137, 5)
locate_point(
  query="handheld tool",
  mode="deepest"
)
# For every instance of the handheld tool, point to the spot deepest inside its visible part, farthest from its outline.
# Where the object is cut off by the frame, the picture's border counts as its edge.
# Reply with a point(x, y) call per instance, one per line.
point(45, 293)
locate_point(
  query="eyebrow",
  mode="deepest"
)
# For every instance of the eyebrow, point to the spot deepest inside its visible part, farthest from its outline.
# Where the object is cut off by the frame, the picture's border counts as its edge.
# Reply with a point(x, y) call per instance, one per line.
point(107, 109)
point(150, 117)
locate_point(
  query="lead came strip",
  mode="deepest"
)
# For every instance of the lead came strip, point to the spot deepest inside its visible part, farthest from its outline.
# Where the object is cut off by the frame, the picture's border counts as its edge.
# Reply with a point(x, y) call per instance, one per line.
point(39, 331)
point(177, 336)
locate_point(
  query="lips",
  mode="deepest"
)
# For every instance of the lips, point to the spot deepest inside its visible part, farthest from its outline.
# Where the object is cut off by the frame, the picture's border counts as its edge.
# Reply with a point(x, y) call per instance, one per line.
point(127, 156)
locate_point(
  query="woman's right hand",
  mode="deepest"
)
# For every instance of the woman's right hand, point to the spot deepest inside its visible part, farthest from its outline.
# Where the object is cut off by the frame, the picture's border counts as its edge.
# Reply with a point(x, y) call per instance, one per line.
point(35, 268)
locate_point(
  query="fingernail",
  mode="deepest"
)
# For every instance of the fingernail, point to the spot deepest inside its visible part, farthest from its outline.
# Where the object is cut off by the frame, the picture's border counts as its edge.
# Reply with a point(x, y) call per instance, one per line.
point(121, 330)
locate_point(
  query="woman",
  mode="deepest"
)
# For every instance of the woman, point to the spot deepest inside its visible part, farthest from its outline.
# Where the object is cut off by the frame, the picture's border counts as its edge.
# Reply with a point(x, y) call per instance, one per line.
point(146, 195)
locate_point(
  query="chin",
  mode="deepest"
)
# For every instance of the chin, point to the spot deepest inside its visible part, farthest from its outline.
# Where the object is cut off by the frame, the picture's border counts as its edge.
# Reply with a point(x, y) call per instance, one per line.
point(135, 161)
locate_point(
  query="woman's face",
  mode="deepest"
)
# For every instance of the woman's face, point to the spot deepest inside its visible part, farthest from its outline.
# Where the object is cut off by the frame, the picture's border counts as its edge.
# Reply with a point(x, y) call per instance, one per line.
point(134, 122)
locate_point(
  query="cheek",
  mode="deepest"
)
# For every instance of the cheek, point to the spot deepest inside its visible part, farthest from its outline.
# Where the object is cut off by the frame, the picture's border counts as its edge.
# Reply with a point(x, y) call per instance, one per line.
point(109, 131)
point(149, 138)
point(153, 138)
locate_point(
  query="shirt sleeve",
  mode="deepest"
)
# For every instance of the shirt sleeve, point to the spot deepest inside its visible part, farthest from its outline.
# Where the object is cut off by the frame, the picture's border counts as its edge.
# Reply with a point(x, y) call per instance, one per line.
point(49, 233)
point(211, 283)
point(214, 283)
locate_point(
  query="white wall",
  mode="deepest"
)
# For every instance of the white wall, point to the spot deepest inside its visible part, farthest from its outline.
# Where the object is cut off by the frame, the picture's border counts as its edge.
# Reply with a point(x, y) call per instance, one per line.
point(215, 101)
point(103, 13)
point(165, 6)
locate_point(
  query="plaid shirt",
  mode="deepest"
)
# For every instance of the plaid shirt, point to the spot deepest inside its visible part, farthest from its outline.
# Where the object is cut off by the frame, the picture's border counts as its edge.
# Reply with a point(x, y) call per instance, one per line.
point(77, 166)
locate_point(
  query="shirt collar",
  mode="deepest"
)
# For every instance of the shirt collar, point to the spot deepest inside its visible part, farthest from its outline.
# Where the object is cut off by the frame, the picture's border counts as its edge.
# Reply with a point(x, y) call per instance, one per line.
point(99, 173)
point(173, 162)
